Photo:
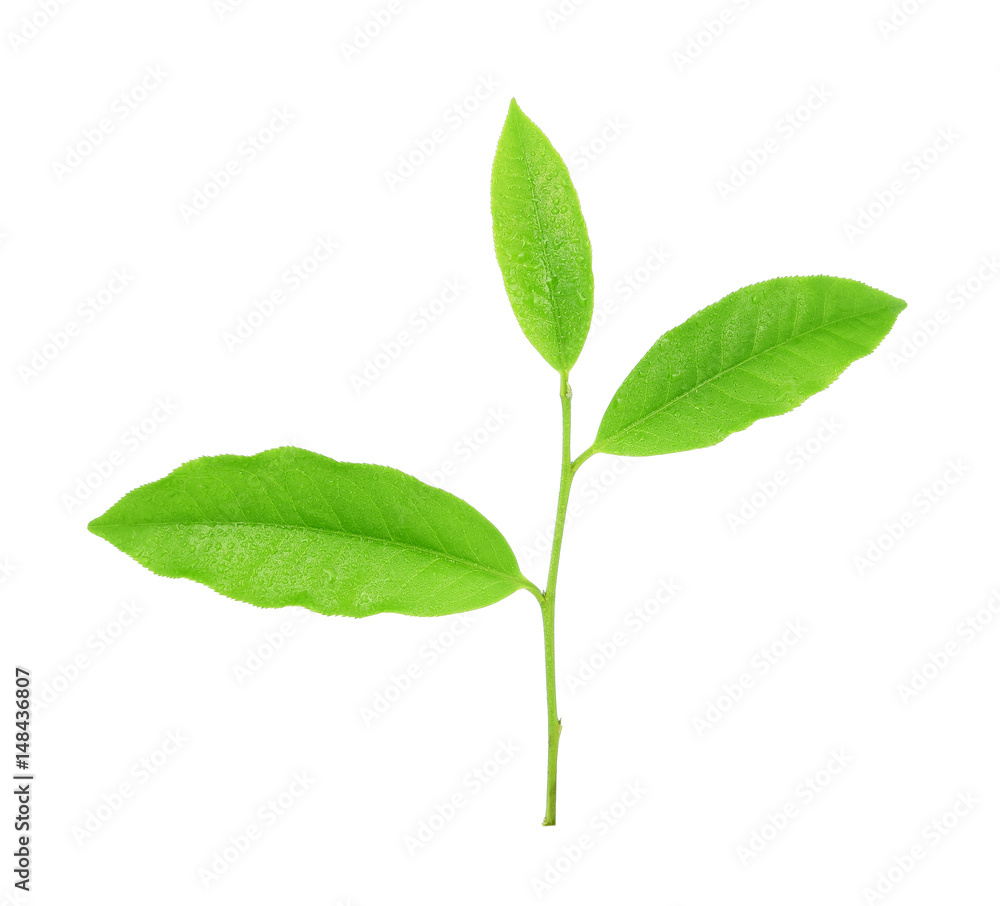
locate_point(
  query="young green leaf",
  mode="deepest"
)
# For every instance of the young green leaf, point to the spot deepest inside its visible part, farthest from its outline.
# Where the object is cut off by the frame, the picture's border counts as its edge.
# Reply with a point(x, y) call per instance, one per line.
point(541, 242)
point(756, 353)
point(290, 527)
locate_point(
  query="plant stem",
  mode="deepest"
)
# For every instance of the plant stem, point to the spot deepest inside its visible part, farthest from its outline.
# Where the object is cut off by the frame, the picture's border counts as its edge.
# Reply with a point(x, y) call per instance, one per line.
point(548, 602)
point(555, 725)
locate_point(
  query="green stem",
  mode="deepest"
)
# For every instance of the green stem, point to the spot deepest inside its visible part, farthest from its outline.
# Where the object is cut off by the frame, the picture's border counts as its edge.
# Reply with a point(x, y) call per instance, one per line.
point(548, 602)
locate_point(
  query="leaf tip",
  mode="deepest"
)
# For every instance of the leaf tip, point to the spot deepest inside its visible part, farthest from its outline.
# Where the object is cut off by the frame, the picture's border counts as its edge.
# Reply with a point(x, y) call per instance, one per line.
point(516, 117)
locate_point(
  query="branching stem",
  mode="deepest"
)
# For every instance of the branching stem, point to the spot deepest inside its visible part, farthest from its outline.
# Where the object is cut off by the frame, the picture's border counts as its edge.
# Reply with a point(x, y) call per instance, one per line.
point(548, 601)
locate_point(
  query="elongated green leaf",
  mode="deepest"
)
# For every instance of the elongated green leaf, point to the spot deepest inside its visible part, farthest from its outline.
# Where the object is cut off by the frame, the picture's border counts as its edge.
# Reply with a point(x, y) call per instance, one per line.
point(758, 352)
point(292, 527)
point(541, 242)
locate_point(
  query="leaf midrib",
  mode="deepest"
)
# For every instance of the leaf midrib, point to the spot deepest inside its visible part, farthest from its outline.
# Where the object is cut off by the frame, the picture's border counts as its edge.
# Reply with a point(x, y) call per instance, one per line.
point(521, 581)
point(739, 364)
point(545, 250)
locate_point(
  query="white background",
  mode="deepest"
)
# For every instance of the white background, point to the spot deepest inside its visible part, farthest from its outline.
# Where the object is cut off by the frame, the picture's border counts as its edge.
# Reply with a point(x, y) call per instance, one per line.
point(679, 129)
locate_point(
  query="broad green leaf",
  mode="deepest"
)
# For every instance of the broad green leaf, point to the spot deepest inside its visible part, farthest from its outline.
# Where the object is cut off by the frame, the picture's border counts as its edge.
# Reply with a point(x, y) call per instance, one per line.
point(541, 242)
point(756, 353)
point(290, 527)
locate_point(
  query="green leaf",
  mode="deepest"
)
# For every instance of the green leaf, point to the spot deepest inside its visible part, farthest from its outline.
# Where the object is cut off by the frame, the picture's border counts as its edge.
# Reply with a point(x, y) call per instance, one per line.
point(290, 527)
point(756, 353)
point(541, 242)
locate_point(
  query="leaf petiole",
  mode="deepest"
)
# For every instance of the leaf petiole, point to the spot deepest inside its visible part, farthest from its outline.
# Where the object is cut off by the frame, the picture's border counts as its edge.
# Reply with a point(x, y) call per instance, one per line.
point(581, 459)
